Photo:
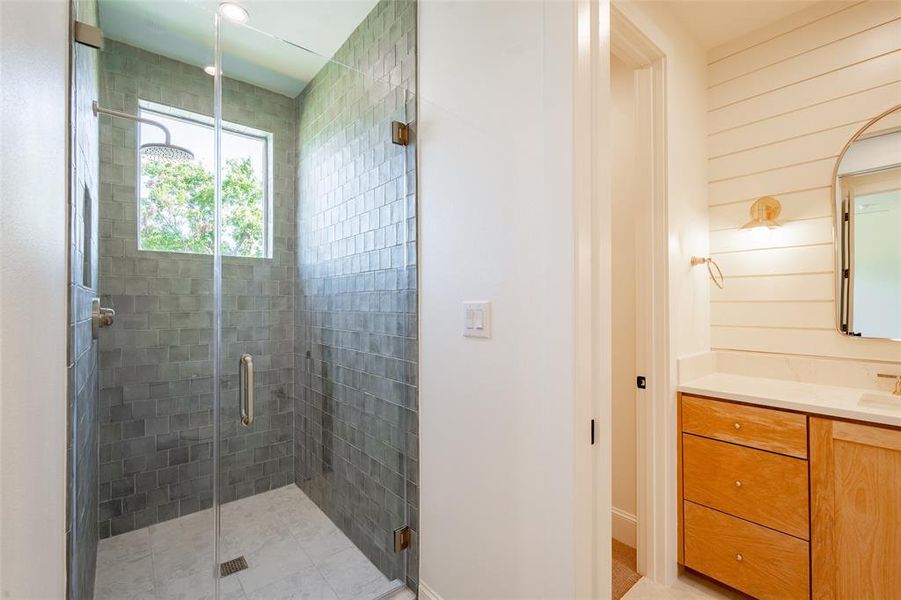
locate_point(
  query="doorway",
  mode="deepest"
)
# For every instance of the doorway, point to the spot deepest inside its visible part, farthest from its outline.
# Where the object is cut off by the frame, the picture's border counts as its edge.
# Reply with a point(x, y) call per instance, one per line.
point(639, 302)
point(624, 253)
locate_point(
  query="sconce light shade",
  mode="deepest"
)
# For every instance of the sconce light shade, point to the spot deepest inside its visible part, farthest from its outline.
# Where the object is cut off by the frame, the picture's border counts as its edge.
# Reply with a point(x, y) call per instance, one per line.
point(764, 212)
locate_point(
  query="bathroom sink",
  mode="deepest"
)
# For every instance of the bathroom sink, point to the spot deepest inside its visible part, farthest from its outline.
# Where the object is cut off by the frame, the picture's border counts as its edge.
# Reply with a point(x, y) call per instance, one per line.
point(885, 400)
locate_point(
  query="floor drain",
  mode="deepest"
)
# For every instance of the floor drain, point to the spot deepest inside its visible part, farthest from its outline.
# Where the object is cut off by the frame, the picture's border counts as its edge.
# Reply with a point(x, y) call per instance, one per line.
point(232, 566)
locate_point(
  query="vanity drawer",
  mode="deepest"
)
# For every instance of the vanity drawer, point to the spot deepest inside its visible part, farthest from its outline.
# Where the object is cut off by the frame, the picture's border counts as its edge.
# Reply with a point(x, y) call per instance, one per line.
point(766, 488)
point(756, 560)
point(754, 426)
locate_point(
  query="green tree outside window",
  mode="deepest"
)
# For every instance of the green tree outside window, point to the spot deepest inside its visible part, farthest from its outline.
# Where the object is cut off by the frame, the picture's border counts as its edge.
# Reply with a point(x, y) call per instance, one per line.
point(177, 213)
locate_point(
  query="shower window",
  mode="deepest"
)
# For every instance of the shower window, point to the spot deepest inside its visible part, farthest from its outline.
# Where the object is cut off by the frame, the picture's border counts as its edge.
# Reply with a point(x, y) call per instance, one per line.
point(176, 203)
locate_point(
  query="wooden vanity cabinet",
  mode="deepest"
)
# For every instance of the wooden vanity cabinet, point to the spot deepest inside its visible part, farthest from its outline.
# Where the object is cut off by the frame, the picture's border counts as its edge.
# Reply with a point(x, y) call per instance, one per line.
point(855, 501)
point(744, 490)
point(780, 504)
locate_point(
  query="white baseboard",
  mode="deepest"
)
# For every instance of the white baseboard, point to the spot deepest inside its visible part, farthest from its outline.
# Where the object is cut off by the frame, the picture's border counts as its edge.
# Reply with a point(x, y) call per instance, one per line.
point(427, 593)
point(624, 526)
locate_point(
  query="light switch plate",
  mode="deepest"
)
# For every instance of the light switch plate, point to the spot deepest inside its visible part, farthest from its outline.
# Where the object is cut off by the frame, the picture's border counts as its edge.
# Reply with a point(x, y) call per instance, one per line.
point(477, 319)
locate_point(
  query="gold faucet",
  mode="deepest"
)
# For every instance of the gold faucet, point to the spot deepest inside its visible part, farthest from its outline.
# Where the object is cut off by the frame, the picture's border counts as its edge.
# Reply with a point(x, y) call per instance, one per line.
point(897, 378)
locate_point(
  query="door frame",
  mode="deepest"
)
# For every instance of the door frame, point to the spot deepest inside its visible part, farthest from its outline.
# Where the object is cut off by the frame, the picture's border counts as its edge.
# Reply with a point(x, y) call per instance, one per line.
point(599, 28)
point(591, 299)
point(653, 459)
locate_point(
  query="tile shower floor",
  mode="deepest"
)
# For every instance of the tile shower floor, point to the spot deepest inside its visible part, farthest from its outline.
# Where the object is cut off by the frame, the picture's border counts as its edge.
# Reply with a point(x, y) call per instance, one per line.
point(293, 550)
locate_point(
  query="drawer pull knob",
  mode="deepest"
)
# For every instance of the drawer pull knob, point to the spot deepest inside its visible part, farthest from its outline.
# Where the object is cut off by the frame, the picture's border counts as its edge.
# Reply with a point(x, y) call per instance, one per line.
point(739, 557)
point(737, 484)
point(737, 425)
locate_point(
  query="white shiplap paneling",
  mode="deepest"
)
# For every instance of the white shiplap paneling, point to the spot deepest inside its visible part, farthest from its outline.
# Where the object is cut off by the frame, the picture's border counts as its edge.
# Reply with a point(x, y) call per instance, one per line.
point(833, 57)
point(880, 70)
point(782, 103)
point(759, 37)
point(805, 204)
point(817, 258)
point(809, 315)
point(813, 34)
point(858, 107)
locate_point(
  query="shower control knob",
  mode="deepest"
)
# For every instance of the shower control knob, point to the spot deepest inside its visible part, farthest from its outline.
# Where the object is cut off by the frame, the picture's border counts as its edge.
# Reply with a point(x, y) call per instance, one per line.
point(100, 317)
point(107, 315)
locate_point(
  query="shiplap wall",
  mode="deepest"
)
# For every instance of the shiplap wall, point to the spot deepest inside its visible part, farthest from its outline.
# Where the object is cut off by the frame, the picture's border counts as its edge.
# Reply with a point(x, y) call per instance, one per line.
point(782, 103)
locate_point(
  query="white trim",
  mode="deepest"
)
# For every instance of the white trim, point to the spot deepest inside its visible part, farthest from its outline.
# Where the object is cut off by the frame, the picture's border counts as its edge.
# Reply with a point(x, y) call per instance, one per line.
point(624, 526)
point(591, 467)
point(427, 593)
point(654, 455)
point(592, 316)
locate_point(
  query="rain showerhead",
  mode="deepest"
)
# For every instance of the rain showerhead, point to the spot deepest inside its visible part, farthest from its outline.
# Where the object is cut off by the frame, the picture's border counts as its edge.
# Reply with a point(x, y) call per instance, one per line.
point(165, 151)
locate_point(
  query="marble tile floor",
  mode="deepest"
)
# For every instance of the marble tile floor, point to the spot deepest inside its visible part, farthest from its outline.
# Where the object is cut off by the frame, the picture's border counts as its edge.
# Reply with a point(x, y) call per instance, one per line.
point(293, 551)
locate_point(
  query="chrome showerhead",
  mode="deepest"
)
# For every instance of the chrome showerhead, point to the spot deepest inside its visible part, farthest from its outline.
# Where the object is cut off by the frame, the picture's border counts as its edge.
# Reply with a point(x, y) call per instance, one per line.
point(167, 152)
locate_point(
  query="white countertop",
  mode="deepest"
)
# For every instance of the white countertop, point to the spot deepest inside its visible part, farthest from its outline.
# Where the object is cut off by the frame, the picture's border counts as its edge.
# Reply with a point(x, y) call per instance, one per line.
point(829, 400)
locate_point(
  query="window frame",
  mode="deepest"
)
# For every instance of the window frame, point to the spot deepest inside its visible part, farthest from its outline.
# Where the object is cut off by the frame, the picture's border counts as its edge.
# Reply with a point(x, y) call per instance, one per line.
point(149, 109)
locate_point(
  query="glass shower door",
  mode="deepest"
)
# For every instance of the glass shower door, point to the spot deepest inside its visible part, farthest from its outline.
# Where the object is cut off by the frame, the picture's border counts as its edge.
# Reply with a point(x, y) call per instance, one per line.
point(150, 103)
point(317, 353)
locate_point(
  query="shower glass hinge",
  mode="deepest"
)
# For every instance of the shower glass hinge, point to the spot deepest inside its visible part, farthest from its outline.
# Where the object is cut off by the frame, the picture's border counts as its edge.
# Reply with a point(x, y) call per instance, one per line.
point(400, 133)
point(402, 538)
point(88, 35)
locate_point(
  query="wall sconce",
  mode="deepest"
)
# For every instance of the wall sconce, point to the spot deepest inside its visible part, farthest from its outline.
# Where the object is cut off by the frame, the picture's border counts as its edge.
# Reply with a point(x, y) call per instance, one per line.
point(764, 212)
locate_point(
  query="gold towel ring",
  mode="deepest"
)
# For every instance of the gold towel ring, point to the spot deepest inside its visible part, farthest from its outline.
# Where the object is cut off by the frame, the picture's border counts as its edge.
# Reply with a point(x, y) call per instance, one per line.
point(717, 277)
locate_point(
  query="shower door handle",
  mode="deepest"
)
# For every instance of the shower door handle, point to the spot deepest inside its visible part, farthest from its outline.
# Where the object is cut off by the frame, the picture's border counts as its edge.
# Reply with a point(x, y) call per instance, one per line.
point(245, 389)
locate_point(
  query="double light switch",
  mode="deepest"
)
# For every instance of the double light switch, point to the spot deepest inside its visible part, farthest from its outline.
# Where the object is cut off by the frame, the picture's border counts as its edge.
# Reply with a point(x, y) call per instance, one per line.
point(477, 319)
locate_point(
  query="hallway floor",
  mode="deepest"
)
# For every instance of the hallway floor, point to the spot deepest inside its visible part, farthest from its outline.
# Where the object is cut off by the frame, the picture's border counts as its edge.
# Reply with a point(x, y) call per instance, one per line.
point(625, 573)
point(293, 550)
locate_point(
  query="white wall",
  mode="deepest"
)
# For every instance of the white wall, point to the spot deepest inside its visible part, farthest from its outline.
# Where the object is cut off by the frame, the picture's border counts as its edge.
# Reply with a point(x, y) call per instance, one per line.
point(33, 168)
point(623, 233)
point(686, 145)
point(496, 221)
point(783, 101)
point(689, 298)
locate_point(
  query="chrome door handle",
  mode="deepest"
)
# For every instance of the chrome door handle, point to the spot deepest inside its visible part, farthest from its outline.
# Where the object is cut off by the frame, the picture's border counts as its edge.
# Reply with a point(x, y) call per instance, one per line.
point(100, 317)
point(245, 389)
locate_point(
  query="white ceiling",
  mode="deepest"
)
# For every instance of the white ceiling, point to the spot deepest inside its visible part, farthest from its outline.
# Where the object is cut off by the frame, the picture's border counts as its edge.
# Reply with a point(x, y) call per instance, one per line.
point(714, 22)
point(183, 30)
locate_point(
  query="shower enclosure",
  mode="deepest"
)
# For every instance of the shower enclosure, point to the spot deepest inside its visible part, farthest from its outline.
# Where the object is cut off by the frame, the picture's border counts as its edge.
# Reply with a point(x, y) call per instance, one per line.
point(245, 424)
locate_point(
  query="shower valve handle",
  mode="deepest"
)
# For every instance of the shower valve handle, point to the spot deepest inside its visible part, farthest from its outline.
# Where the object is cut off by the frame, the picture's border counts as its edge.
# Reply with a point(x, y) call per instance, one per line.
point(100, 317)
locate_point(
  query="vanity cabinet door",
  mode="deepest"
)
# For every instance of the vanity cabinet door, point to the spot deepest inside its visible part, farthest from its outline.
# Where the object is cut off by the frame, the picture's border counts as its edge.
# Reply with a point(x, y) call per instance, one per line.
point(855, 496)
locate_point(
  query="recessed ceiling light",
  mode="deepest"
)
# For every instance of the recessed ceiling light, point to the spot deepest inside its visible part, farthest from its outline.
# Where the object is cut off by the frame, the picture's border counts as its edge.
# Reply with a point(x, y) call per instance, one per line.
point(210, 70)
point(234, 12)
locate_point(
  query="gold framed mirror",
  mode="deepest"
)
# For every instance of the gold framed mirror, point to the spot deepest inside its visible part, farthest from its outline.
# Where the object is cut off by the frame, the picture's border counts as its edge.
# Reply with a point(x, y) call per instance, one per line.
point(866, 196)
